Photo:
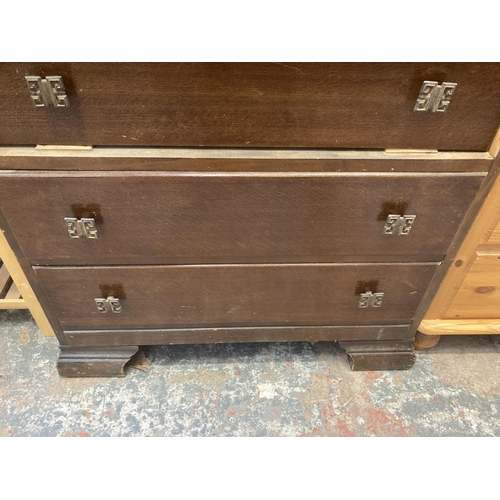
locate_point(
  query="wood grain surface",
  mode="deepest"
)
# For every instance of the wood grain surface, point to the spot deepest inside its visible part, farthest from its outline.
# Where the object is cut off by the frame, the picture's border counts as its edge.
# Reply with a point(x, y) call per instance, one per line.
point(491, 236)
point(234, 295)
point(292, 105)
point(238, 160)
point(460, 326)
point(181, 218)
point(479, 293)
point(461, 255)
point(153, 336)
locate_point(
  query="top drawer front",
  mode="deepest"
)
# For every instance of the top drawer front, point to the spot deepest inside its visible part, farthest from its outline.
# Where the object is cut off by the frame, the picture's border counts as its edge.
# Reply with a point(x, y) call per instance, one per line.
point(306, 105)
point(169, 218)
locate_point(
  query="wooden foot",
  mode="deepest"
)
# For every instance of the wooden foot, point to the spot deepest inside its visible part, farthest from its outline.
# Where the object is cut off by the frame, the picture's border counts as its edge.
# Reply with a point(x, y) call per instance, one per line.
point(377, 355)
point(94, 361)
point(423, 341)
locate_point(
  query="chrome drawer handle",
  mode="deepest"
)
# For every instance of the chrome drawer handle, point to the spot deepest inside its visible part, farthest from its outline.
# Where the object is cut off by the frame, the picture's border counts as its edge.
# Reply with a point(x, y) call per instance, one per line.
point(369, 299)
point(399, 224)
point(81, 228)
point(109, 304)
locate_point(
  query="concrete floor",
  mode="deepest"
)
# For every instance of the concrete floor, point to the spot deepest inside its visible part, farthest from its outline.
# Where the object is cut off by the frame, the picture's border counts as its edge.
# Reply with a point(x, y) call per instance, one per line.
point(296, 389)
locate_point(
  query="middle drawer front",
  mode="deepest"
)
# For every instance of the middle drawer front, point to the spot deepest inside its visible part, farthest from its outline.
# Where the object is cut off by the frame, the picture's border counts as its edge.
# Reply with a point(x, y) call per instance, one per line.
point(235, 295)
point(183, 218)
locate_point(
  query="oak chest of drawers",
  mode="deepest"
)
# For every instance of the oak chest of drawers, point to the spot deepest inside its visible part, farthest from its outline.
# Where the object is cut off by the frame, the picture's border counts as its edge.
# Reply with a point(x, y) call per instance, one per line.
point(197, 203)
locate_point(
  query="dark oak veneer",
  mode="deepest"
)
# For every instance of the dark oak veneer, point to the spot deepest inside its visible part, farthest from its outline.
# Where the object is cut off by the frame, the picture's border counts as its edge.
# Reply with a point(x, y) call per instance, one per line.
point(235, 295)
point(242, 202)
point(89, 362)
point(238, 160)
point(169, 218)
point(152, 336)
point(292, 105)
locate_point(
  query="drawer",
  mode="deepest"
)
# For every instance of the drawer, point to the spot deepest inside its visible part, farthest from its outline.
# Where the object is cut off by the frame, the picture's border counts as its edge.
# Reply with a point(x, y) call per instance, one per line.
point(182, 218)
point(479, 294)
point(293, 105)
point(234, 295)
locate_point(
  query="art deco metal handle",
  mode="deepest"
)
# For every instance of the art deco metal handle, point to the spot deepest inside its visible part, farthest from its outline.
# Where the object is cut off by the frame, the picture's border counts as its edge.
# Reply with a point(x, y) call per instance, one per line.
point(47, 92)
point(109, 304)
point(81, 228)
point(399, 224)
point(434, 97)
point(369, 299)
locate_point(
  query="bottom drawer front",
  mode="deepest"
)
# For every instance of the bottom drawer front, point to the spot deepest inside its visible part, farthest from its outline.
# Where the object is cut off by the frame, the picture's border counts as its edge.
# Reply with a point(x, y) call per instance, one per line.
point(234, 295)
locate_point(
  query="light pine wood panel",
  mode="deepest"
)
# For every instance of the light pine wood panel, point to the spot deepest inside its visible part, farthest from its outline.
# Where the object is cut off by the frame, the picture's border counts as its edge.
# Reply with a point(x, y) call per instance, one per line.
point(460, 326)
point(479, 294)
point(492, 233)
point(489, 199)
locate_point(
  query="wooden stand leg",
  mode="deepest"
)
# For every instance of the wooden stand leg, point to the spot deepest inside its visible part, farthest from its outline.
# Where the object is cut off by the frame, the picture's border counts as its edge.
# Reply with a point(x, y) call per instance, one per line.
point(377, 355)
point(423, 341)
point(29, 300)
point(94, 361)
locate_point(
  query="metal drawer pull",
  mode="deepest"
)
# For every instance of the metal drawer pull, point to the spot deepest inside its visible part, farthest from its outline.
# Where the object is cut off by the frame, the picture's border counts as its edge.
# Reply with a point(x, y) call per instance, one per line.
point(434, 97)
point(47, 92)
point(109, 304)
point(399, 224)
point(81, 228)
point(369, 299)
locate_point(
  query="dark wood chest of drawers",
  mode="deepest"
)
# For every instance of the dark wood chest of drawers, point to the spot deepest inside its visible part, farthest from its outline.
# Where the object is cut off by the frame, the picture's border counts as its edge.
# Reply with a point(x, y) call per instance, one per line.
point(196, 203)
